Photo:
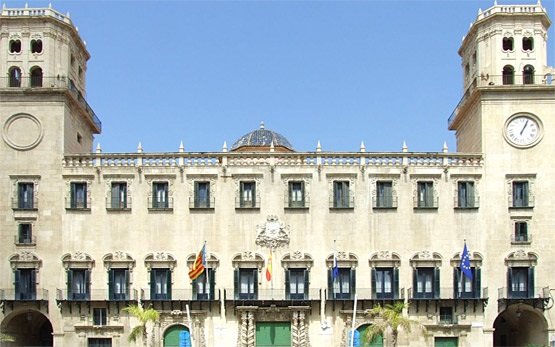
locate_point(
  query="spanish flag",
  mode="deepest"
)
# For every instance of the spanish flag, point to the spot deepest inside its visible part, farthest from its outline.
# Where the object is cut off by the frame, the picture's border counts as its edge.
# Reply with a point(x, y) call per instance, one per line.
point(198, 265)
point(269, 268)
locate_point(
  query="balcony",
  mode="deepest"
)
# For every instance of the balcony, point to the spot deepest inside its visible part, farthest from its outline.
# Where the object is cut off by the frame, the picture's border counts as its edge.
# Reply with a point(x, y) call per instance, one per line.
point(241, 204)
point(155, 205)
point(296, 205)
point(342, 204)
point(11, 297)
point(537, 297)
point(274, 296)
point(430, 204)
point(96, 295)
point(82, 205)
point(449, 294)
point(179, 294)
point(202, 204)
point(25, 241)
point(31, 205)
point(116, 205)
point(46, 83)
point(385, 203)
point(468, 205)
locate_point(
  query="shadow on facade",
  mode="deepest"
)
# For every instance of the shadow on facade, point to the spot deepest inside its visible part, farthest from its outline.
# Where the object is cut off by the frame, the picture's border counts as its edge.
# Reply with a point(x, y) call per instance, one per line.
point(29, 328)
point(520, 325)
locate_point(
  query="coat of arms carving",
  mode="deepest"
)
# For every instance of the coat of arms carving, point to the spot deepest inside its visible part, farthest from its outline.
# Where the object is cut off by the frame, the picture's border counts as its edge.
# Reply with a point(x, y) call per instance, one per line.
point(273, 233)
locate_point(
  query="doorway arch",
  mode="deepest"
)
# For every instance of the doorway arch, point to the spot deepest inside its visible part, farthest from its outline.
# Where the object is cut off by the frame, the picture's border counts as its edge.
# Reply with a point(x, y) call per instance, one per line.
point(519, 325)
point(177, 336)
point(29, 328)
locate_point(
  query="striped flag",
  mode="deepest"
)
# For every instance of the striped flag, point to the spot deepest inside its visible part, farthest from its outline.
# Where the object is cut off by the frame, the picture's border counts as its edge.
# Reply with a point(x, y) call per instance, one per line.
point(198, 265)
point(269, 268)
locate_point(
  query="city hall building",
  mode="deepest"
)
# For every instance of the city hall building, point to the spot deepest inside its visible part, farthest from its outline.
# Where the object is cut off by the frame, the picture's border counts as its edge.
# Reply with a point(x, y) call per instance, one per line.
point(84, 234)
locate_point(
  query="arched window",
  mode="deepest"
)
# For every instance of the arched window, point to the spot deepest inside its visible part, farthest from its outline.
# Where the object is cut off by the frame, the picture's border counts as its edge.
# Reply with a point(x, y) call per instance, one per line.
point(508, 74)
point(36, 46)
point(15, 46)
point(36, 77)
point(528, 74)
point(508, 44)
point(15, 77)
point(527, 43)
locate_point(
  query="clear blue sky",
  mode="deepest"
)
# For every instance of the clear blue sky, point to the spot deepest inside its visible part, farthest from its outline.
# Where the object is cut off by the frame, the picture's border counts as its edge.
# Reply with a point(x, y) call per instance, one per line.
point(342, 72)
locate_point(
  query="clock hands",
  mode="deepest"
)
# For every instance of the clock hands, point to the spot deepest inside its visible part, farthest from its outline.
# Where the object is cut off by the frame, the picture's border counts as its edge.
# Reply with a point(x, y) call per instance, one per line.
point(524, 127)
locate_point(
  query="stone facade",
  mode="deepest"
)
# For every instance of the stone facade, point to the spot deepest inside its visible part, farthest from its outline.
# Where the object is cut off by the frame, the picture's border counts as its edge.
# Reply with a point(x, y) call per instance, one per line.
point(85, 234)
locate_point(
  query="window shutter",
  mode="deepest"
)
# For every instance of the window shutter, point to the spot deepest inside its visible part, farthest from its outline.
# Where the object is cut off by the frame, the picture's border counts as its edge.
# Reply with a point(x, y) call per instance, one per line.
point(168, 284)
point(253, 185)
point(196, 196)
point(306, 283)
point(111, 284)
point(353, 282)
point(436, 283)
point(17, 284)
point(477, 283)
point(115, 196)
point(530, 282)
point(414, 283)
point(395, 283)
point(212, 281)
point(255, 282)
point(69, 283)
point(73, 196)
point(287, 283)
point(509, 282)
point(456, 282)
point(88, 284)
point(152, 284)
point(330, 284)
point(207, 187)
point(302, 194)
point(373, 282)
point(387, 195)
point(471, 194)
point(33, 284)
point(525, 200)
point(236, 283)
point(85, 195)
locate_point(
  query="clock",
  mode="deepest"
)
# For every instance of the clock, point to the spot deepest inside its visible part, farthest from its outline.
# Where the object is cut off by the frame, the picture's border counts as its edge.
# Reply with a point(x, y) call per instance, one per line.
point(523, 130)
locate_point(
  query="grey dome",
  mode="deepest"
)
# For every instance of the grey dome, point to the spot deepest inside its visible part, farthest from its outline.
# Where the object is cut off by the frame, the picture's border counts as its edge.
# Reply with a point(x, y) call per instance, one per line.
point(262, 137)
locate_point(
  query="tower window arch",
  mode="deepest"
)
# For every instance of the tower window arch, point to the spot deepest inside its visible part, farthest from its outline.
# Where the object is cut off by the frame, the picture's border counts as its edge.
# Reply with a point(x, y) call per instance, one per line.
point(36, 46)
point(14, 77)
point(15, 46)
point(36, 76)
point(508, 74)
point(527, 43)
point(528, 74)
point(508, 44)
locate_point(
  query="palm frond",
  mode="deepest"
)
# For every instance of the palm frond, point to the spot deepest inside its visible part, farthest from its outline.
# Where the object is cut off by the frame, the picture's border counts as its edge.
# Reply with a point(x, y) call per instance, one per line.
point(136, 332)
point(6, 338)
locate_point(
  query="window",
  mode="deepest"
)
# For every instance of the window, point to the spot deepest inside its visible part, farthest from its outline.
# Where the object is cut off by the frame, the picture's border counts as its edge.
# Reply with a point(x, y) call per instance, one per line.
point(466, 195)
point(25, 284)
point(118, 284)
point(100, 342)
point(341, 194)
point(508, 74)
point(467, 70)
point(465, 287)
point(25, 195)
point(296, 284)
point(247, 198)
point(202, 195)
point(15, 46)
point(384, 194)
point(521, 282)
point(426, 283)
point(521, 232)
point(36, 77)
point(446, 315)
point(528, 74)
point(385, 283)
point(204, 284)
point(425, 191)
point(118, 195)
point(25, 233)
point(527, 43)
point(160, 284)
point(36, 46)
point(296, 194)
point(246, 284)
point(78, 284)
point(99, 316)
point(78, 195)
point(343, 285)
point(15, 77)
point(508, 44)
point(520, 194)
point(160, 195)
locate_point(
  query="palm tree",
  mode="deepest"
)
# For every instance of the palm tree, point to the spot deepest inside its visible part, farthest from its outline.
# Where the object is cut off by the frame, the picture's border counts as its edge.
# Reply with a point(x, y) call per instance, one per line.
point(145, 317)
point(390, 318)
point(6, 338)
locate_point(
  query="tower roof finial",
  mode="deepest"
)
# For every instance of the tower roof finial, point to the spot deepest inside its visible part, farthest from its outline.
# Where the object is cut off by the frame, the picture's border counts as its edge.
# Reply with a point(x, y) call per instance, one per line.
point(262, 125)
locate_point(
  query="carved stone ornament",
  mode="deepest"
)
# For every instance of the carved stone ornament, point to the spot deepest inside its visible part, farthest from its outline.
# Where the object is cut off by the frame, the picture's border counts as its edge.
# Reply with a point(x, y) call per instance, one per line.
point(384, 255)
point(272, 234)
point(424, 255)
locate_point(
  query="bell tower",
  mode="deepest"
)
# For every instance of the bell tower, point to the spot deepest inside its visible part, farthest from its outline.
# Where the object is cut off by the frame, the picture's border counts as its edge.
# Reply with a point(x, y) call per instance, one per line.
point(43, 64)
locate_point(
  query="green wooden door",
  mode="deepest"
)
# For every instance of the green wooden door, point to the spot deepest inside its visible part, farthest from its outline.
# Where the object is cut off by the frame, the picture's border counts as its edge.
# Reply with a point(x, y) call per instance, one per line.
point(446, 341)
point(177, 336)
point(273, 334)
point(376, 342)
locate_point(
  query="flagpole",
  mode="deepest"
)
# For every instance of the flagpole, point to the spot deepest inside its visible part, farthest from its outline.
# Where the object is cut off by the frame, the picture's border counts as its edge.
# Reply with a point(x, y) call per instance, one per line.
point(271, 274)
point(461, 274)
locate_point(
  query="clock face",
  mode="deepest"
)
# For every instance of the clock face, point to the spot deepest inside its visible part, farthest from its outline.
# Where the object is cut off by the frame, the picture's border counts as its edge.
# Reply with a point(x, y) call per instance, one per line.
point(523, 131)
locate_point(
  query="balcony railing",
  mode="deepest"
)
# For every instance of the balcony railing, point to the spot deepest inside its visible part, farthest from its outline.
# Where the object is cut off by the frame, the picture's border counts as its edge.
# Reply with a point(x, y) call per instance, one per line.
point(304, 204)
point(57, 82)
point(179, 294)
point(157, 205)
point(25, 241)
point(277, 294)
point(336, 204)
point(384, 202)
point(84, 205)
point(25, 205)
point(206, 204)
point(433, 203)
point(34, 12)
point(524, 204)
point(117, 205)
point(447, 293)
point(96, 295)
point(523, 293)
point(9, 294)
point(247, 204)
point(521, 239)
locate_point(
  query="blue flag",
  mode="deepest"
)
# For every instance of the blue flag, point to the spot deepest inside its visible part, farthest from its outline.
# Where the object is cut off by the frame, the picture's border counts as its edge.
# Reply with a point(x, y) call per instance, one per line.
point(335, 270)
point(465, 263)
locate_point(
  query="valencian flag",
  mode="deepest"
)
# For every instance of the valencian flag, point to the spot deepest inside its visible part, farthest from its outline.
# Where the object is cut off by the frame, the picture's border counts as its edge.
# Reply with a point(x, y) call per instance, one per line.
point(198, 265)
point(269, 268)
point(465, 263)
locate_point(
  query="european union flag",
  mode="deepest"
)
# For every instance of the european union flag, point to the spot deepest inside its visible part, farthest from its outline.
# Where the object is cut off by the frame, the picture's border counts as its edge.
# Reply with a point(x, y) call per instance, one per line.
point(335, 270)
point(465, 263)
